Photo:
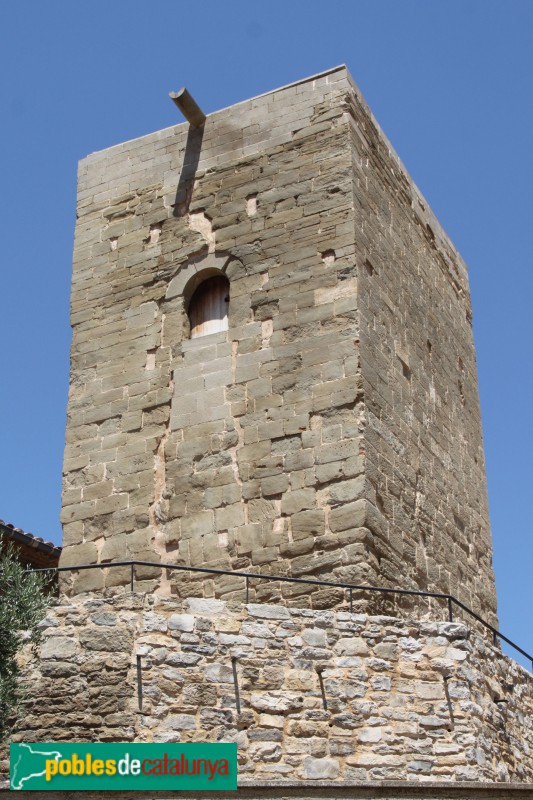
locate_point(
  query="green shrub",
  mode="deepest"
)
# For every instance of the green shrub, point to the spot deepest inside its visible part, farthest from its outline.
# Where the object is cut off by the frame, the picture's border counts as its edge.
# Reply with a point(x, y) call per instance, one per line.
point(24, 598)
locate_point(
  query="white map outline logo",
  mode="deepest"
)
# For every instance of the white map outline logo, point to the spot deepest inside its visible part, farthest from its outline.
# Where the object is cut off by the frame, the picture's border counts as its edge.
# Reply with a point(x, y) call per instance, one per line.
point(16, 783)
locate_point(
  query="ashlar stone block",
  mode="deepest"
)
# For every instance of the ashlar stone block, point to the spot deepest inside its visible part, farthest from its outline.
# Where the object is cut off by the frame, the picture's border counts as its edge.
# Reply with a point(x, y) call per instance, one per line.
point(309, 435)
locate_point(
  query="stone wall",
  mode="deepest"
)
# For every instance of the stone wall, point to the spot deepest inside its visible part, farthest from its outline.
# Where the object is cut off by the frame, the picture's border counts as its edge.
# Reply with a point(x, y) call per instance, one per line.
point(333, 430)
point(323, 695)
point(424, 460)
point(218, 450)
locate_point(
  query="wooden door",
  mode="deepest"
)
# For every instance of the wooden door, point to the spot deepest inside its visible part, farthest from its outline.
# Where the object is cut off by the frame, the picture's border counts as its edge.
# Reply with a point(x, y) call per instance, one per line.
point(208, 309)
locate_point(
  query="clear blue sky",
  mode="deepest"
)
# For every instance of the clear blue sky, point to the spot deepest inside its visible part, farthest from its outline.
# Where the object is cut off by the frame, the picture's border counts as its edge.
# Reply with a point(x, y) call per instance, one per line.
point(448, 80)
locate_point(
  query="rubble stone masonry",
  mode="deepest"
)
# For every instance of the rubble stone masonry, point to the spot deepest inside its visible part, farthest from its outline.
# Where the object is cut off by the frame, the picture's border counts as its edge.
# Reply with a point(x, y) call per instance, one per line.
point(308, 695)
point(333, 430)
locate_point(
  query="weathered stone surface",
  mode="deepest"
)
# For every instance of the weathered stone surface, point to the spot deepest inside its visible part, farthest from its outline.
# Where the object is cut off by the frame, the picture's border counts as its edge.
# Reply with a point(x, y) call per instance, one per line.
point(154, 622)
point(271, 703)
point(352, 647)
point(268, 612)
point(104, 618)
point(120, 639)
point(327, 405)
point(321, 769)
point(208, 607)
point(388, 713)
point(58, 647)
point(181, 622)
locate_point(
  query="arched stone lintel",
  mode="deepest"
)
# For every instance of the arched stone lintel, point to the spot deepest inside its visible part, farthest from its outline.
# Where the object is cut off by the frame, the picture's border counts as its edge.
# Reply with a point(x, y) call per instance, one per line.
point(198, 270)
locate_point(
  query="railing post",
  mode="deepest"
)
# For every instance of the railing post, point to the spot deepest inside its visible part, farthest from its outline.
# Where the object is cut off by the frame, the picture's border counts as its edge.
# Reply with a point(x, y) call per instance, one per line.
point(139, 683)
point(131, 576)
point(320, 669)
point(247, 590)
point(351, 600)
point(236, 683)
point(450, 609)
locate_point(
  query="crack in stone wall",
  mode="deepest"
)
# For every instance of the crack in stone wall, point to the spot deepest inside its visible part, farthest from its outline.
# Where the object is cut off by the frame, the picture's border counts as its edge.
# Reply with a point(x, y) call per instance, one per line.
point(240, 433)
point(159, 508)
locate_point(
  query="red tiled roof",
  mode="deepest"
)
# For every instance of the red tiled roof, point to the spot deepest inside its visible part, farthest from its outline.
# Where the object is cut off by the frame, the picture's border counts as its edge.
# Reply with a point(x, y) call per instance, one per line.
point(36, 542)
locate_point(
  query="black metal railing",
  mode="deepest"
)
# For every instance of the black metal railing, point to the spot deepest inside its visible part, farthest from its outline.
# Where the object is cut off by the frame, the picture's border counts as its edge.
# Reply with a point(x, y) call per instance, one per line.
point(448, 599)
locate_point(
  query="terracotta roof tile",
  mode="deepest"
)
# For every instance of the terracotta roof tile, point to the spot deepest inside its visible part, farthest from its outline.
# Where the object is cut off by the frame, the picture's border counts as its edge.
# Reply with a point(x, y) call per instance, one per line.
point(29, 539)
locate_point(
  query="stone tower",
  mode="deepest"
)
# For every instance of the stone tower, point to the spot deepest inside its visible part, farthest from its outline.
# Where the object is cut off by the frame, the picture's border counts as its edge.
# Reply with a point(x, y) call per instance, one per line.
point(333, 429)
point(273, 372)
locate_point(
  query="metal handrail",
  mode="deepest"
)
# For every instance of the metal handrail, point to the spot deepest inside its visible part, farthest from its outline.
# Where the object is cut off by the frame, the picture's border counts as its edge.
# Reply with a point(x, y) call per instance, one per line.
point(351, 587)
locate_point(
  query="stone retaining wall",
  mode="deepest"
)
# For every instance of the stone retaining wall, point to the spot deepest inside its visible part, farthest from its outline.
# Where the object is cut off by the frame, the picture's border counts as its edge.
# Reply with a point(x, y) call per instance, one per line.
point(323, 695)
